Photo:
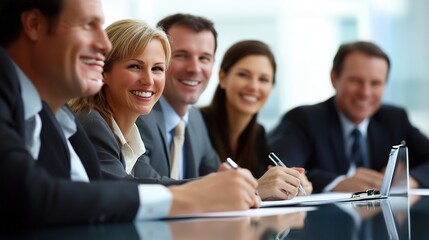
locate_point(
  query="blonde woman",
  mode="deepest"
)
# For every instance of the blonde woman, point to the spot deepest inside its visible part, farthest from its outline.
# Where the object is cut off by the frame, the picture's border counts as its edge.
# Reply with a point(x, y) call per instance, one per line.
point(134, 78)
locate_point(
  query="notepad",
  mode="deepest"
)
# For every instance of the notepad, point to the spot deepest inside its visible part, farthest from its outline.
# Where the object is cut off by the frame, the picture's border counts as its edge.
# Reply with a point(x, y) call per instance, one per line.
point(394, 174)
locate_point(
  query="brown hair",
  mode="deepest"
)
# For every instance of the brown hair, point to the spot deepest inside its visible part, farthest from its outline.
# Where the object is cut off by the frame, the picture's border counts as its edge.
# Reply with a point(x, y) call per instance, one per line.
point(216, 117)
point(11, 11)
point(190, 21)
point(368, 48)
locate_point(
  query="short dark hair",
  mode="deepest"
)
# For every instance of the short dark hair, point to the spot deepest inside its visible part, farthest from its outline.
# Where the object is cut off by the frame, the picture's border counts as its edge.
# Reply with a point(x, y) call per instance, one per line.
point(368, 48)
point(245, 48)
point(190, 21)
point(10, 16)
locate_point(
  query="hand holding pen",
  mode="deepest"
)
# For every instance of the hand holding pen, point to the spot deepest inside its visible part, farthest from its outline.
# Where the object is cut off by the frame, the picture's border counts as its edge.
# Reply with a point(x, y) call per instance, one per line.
point(279, 162)
point(234, 165)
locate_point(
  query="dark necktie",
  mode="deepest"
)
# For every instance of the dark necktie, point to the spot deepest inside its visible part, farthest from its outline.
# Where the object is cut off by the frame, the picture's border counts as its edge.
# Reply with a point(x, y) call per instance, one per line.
point(358, 154)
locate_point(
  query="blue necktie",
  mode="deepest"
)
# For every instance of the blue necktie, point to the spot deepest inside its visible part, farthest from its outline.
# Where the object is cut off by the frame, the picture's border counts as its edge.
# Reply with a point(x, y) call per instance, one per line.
point(358, 154)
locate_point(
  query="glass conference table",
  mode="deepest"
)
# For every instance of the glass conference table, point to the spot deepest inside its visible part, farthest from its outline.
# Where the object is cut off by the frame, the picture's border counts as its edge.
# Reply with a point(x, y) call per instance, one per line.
point(392, 218)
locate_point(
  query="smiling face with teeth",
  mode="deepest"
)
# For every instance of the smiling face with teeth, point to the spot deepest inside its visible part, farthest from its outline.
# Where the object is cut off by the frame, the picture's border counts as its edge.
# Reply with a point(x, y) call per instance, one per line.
point(134, 85)
point(360, 86)
point(190, 67)
point(247, 84)
point(68, 59)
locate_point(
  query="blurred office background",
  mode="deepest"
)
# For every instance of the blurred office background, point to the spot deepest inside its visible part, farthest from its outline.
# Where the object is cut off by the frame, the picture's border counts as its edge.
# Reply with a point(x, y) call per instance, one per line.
point(304, 35)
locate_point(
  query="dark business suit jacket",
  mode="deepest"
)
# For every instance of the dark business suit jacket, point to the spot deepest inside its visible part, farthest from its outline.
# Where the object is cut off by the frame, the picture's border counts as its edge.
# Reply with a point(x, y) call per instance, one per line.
point(34, 194)
point(312, 137)
point(110, 155)
point(50, 153)
point(201, 157)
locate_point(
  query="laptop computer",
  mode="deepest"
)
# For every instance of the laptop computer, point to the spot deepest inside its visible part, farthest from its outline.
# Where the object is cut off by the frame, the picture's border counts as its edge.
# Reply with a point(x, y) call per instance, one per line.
point(395, 176)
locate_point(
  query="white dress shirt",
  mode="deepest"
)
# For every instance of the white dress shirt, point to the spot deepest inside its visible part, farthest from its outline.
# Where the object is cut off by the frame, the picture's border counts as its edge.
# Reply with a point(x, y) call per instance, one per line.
point(32, 106)
point(347, 127)
point(132, 148)
point(67, 122)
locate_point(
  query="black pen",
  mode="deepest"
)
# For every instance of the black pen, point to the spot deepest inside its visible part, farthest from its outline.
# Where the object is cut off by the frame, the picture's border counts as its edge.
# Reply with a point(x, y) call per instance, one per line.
point(234, 165)
point(276, 160)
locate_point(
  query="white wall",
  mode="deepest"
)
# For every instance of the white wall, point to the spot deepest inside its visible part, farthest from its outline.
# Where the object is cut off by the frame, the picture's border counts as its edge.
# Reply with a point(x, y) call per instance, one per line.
point(304, 35)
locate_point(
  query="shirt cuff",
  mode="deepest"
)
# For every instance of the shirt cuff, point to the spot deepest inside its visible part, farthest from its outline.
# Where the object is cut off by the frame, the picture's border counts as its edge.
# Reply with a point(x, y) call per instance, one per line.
point(334, 183)
point(155, 201)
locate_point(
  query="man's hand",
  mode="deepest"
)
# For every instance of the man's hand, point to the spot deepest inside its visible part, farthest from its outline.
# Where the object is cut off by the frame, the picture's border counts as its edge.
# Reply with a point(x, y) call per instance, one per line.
point(363, 179)
point(226, 190)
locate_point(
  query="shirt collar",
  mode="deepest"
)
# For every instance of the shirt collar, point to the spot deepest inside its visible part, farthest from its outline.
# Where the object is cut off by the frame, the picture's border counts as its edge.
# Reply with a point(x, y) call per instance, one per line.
point(29, 95)
point(67, 121)
point(170, 116)
point(348, 126)
point(118, 132)
point(134, 141)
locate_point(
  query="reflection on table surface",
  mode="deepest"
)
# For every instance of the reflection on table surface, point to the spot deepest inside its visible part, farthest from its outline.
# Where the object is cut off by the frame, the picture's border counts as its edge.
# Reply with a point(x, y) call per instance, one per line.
point(393, 218)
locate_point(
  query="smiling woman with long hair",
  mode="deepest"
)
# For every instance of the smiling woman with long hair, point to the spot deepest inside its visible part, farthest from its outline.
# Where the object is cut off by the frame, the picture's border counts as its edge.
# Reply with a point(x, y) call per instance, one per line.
point(246, 78)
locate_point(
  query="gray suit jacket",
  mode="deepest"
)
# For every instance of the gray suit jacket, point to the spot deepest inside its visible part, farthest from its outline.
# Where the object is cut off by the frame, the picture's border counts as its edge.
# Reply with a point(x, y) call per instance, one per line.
point(110, 155)
point(201, 160)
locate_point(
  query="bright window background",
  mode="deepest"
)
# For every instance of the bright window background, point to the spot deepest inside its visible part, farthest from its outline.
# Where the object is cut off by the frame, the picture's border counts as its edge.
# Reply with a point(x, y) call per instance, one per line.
point(304, 36)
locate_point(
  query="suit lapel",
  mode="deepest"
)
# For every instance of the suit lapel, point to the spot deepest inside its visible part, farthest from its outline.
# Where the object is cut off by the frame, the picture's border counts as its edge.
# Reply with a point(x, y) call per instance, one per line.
point(54, 154)
point(193, 147)
point(190, 161)
point(336, 135)
point(160, 125)
point(86, 152)
point(10, 87)
point(378, 145)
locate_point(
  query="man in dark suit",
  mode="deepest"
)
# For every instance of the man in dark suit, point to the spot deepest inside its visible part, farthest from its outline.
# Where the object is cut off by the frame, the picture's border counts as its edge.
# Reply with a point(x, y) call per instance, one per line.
point(193, 43)
point(49, 170)
point(319, 137)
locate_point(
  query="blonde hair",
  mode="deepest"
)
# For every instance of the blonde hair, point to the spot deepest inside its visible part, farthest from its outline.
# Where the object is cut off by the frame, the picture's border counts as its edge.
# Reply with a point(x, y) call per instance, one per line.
point(129, 38)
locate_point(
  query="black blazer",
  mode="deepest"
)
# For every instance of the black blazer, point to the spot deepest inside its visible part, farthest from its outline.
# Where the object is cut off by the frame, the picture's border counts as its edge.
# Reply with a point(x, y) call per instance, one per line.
point(311, 137)
point(49, 153)
point(33, 193)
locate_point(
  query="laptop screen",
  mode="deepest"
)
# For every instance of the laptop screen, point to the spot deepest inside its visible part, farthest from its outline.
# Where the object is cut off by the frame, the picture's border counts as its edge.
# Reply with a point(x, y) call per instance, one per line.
point(396, 174)
point(400, 183)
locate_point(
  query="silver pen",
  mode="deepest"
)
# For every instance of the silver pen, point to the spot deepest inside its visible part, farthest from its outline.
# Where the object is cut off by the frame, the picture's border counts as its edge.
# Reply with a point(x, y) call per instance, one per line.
point(231, 163)
point(276, 160)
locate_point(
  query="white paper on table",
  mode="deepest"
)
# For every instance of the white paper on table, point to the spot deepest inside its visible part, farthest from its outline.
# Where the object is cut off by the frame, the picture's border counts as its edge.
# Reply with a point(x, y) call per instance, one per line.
point(419, 191)
point(246, 213)
point(313, 199)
